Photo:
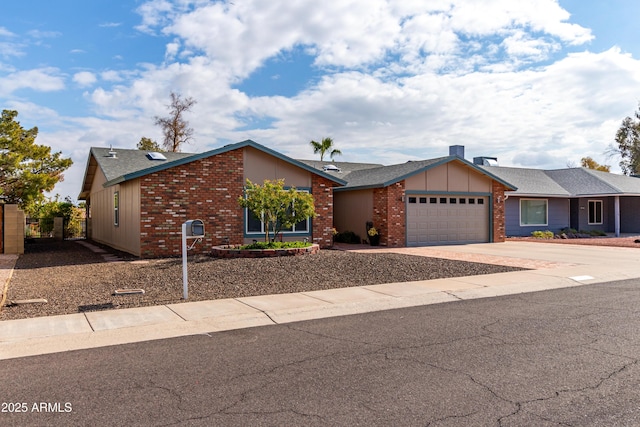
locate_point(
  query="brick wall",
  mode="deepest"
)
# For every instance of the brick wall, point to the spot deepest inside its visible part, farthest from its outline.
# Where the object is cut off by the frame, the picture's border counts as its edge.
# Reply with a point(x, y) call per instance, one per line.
point(322, 190)
point(389, 215)
point(206, 189)
point(497, 191)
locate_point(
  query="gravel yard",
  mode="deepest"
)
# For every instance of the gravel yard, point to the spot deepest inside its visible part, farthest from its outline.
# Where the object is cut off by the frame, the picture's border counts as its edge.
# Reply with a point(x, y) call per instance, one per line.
point(74, 279)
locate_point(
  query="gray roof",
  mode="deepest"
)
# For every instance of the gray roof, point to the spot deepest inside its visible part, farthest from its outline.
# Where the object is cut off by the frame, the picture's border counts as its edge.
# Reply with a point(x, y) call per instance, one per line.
point(345, 167)
point(570, 182)
point(369, 175)
point(130, 164)
point(128, 161)
point(530, 182)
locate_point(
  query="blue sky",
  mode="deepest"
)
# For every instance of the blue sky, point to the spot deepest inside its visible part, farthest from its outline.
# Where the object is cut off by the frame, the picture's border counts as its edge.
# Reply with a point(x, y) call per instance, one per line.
point(536, 84)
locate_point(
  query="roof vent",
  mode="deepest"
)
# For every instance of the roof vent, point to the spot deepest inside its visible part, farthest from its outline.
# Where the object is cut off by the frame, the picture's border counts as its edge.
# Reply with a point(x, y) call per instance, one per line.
point(485, 161)
point(154, 155)
point(112, 153)
point(332, 168)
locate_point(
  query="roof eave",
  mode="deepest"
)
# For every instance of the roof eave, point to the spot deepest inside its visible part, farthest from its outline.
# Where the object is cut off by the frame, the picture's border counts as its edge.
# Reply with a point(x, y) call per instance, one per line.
point(215, 152)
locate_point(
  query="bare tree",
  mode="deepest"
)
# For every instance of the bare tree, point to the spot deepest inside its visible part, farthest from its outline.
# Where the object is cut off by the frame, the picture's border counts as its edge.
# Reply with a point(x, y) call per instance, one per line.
point(175, 128)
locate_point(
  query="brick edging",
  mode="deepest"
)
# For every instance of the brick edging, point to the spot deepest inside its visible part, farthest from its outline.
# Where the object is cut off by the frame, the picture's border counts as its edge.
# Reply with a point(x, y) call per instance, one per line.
point(223, 252)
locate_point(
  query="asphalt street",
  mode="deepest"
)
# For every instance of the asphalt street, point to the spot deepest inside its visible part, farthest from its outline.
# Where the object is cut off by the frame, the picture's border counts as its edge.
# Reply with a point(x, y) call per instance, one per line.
point(565, 357)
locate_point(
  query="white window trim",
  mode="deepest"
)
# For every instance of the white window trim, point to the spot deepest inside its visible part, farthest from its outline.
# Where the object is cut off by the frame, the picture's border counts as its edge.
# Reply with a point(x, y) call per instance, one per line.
point(534, 225)
point(601, 212)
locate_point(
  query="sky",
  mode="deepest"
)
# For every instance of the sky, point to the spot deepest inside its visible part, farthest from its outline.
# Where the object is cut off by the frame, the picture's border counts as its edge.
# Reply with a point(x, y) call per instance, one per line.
point(535, 83)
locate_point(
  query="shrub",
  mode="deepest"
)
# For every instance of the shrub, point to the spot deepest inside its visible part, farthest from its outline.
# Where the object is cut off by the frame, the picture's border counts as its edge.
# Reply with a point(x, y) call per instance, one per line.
point(543, 234)
point(347, 237)
point(276, 245)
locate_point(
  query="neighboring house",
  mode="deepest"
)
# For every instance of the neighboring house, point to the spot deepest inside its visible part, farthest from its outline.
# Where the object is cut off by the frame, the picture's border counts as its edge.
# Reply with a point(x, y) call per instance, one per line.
point(579, 198)
point(137, 201)
point(438, 201)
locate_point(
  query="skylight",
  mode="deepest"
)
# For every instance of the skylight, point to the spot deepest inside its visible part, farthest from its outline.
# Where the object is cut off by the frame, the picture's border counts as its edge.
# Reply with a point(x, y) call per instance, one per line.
point(154, 155)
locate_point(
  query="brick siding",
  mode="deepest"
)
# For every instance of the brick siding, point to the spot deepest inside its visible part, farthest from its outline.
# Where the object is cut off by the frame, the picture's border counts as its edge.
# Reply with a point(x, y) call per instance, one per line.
point(389, 216)
point(206, 189)
point(322, 191)
point(499, 232)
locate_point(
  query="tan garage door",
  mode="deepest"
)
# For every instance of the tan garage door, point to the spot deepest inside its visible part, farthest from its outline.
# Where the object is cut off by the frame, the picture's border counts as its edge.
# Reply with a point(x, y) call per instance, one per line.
point(445, 219)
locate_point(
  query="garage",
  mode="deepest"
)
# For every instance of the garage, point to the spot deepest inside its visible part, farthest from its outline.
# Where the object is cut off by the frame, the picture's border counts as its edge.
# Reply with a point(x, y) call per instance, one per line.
point(447, 219)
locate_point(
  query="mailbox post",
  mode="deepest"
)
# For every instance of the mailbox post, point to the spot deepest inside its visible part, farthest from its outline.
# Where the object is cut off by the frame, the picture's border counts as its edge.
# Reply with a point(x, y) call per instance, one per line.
point(192, 229)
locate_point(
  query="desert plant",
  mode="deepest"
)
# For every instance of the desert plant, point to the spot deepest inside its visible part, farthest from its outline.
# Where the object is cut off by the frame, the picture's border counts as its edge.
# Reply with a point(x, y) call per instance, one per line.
point(542, 234)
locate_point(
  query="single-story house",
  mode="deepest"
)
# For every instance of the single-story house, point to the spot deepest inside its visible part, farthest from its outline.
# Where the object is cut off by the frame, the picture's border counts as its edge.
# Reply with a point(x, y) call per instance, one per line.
point(578, 198)
point(137, 201)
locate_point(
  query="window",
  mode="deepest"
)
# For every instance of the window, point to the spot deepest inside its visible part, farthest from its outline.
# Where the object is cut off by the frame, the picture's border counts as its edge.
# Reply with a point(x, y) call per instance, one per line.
point(453, 200)
point(116, 208)
point(472, 201)
point(595, 212)
point(423, 200)
point(254, 225)
point(433, 200)
point(412, 199)
point(463, 200)
point(443, 200)
point(533, 212)
point(481, 201)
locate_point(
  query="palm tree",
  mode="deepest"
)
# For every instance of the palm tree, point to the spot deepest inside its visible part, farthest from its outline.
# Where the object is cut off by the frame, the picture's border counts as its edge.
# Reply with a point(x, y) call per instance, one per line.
point(323, 147)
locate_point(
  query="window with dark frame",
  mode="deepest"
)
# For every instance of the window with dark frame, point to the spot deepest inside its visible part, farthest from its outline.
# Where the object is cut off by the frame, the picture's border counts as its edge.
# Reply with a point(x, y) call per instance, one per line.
point(595, 212)
point(116, 208)
point(423, 200)
point(254, 225)
point(412, 200)
point(443, 200)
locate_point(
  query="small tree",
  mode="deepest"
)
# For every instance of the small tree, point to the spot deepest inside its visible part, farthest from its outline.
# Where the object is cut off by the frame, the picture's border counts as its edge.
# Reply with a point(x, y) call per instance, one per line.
point(326, 145)
point(589, 163)
point(628, 145)
point(277, 207)
point(175, 128)
point(148, 144)
point(27, 169)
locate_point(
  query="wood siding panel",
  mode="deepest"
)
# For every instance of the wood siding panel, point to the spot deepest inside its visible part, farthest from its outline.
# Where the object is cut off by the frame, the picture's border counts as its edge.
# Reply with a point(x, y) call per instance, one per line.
point(352, 210)
point(259, 166)
point(126, 235)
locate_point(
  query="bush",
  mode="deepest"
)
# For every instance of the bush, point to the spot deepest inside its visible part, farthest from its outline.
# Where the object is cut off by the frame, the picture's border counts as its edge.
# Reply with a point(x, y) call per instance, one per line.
point(543, 234)
point(276, 245)
point(347, 237)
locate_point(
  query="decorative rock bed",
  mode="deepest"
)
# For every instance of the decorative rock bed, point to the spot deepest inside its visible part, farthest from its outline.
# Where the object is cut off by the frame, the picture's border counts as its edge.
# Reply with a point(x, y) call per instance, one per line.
point(235, 252)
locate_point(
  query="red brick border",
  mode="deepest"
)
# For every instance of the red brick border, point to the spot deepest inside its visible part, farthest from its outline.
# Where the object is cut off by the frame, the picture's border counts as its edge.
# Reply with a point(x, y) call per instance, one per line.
point(225, 252)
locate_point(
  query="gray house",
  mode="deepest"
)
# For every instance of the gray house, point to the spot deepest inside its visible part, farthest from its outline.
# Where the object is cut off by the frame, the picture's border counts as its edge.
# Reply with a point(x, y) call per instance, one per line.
point(579, 198)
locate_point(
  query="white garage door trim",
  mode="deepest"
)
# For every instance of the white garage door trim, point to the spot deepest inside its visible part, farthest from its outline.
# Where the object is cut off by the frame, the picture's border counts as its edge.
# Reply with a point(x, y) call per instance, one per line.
point(441, 219)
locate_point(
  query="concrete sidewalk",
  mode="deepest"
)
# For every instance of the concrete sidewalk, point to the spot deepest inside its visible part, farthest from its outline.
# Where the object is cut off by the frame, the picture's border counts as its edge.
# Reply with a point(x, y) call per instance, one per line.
point(555, 266)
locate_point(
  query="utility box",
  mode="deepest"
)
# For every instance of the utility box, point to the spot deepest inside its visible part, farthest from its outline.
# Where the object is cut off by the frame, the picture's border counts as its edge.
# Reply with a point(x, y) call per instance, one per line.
point(194, 228)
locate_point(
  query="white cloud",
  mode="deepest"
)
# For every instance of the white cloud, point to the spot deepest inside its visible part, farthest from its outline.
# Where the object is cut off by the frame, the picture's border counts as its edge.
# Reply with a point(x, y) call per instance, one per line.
point(41, 80)
point(110, 24)
point(85, 78)
point(393, 81)
point(6, 33)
